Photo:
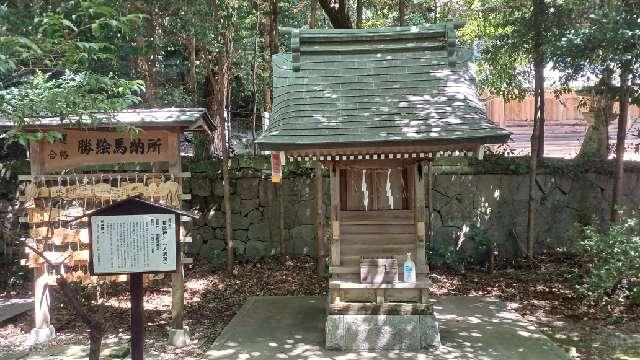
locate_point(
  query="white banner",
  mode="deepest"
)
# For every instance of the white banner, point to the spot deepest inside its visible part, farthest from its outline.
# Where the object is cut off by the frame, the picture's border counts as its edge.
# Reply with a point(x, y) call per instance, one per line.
point(133, 243)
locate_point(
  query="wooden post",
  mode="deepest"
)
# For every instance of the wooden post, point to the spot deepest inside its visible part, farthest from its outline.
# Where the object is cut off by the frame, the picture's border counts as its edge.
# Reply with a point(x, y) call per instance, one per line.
point(320, 260)
point(429, 217)
point(41, 298)
point(419, 211)
point(178, 335)
point(137, 316)
point(42, 331)
point(335, 211)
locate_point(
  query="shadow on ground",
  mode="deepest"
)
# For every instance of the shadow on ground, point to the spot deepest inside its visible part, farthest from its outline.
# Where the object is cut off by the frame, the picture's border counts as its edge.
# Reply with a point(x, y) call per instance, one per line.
point(293, 328)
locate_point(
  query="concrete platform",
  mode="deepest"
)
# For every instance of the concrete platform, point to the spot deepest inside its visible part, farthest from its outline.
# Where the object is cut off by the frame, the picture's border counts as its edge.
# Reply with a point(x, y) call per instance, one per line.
point(13, 307)
point(292, 328)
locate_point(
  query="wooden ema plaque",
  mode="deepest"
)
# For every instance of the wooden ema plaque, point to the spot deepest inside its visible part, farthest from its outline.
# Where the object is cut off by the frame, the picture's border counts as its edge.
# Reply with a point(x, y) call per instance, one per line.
point(92, 147)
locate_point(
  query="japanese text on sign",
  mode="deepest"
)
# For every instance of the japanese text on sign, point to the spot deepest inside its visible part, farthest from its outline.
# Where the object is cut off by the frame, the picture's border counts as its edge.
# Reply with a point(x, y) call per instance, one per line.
point(133, 243)
point(77, 147)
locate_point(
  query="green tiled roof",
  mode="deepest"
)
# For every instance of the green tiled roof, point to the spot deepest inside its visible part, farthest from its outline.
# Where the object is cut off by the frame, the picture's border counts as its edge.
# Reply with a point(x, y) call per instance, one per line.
point(400, 86)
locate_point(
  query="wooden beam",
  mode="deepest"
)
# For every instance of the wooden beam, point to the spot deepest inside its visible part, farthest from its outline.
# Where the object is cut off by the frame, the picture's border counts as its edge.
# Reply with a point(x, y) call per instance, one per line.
point(335, 214)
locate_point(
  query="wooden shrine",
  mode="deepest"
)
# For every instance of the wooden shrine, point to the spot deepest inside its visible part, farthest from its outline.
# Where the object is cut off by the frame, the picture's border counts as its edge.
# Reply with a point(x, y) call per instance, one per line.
point(88, 168)
point(376, 107)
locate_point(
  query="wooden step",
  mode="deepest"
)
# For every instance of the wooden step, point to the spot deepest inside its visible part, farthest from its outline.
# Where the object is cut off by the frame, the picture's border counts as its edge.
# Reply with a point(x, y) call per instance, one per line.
point(377, 239)
point(382, 217)
point(377, 229)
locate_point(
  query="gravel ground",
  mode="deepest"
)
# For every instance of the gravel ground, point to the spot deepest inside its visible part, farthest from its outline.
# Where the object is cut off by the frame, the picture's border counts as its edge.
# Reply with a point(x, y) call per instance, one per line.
point(544, 293)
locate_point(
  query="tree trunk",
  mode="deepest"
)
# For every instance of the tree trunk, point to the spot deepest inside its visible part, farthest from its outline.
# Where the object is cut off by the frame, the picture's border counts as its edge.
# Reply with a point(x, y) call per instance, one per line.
point(596, 141)
point(223, 58)
point(541, 130)
point(435, 11)
point(337, 12)
point(193, 80)
point(254, 85)
point(538, 115)
point(146, 60)
point(313, 15)
point(266, 69)
point(95, 342)
point(618, 180)
point(401, 12)
point(273, 37)
point(359, 14)
point(72, 299)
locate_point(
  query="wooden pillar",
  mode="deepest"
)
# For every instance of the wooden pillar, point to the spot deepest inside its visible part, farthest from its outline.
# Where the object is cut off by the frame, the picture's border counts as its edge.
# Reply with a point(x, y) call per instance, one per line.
point(178, 335)
point(136, 289)
point(42, 331)
point(419, 213)
point(41, 298)
point(429, 217)
point(320, 256)
point(335, 214)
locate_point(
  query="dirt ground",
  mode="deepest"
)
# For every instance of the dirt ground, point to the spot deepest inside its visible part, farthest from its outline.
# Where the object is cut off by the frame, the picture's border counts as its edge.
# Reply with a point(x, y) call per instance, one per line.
point(545, 293)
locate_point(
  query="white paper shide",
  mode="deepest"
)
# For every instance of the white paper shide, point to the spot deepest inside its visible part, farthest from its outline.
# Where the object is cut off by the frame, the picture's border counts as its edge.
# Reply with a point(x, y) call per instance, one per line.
point(133, 243)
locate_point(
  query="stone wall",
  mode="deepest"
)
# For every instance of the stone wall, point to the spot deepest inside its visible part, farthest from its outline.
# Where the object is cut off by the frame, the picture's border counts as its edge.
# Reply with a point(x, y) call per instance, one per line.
point(489, 197)
point(498, 203)
point(254, 211)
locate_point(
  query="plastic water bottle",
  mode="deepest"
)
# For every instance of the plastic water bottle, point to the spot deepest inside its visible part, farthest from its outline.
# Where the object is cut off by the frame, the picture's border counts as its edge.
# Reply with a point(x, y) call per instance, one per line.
point(409, 270)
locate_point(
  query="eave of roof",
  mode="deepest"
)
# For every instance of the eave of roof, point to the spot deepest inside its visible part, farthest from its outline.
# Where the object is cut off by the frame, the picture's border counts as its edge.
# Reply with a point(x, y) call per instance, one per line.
point(183, 118)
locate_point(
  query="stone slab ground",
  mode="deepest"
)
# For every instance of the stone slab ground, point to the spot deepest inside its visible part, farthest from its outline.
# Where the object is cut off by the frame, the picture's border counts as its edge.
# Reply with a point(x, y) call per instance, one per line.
point(13, 307)
point(293, 328)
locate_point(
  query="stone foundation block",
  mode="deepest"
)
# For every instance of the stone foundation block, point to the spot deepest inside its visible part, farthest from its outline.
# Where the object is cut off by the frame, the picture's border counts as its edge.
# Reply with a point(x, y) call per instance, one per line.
point(381, 332)
point(38, 336)
point(179, 337)
point(429, 332)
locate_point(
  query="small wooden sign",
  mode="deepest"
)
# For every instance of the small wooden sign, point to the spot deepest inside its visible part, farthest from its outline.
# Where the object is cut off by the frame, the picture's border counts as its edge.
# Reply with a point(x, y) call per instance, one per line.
point(90, 147)
point(133, 244)
point(276, 167)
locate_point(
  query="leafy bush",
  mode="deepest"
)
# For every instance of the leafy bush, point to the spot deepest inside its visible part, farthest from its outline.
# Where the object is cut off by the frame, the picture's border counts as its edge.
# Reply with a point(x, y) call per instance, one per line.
point(447, 256)
point(614, 269)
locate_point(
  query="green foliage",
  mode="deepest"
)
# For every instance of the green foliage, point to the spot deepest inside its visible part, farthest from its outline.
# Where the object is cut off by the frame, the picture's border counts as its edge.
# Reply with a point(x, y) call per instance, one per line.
point(614, 268)
point(480, 242)
point(447, 256)
point(600, 34)
point(502, 31)
point(58, 60)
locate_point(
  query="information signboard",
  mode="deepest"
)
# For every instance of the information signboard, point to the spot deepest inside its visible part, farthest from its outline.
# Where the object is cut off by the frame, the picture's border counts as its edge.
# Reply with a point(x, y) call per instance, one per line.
point(124, 244)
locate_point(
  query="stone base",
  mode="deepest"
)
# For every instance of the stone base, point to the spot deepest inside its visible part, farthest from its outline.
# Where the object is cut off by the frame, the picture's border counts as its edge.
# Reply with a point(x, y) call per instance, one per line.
point(42, 335)
point(179, 337)
point(382, 332)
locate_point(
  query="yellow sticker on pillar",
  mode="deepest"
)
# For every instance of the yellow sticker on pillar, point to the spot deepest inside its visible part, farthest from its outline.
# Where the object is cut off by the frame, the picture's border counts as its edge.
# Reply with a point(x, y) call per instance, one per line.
point(276, 166)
